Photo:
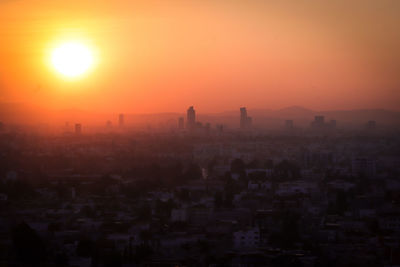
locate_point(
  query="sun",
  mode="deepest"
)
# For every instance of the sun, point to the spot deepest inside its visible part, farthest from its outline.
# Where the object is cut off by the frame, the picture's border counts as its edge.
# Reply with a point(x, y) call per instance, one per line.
point(72, 59)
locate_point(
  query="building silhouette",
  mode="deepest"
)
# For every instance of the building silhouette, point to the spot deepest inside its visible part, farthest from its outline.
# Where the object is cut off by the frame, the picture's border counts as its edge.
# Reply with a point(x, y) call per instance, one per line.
point(191, 118)
point(245, 121)
point(121, 119)
point(249, 122)
point(243, 117)
point(319, 122)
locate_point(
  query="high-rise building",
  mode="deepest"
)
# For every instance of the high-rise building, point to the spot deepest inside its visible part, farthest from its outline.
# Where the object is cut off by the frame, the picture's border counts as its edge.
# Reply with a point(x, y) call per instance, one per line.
point(319, 122)
point(243, 118)
point(245, 121)
point(191, 118)
point(78, 128)
point(249, 122)
point(121, 120)
point(181, 123)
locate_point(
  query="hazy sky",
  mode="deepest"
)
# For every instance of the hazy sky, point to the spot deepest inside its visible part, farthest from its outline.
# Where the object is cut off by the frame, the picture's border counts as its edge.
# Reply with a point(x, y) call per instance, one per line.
point(158, 56)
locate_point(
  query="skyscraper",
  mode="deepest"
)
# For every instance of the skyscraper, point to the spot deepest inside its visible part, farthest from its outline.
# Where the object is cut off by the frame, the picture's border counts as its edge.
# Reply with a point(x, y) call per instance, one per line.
point(121, 120)
point(249, 122)
point(245, 121)
point(319, 122)
point(191, 118)
point(243, 118)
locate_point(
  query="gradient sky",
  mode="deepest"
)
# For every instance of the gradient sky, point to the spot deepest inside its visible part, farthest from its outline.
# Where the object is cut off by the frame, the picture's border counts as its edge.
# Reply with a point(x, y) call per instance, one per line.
point(156, 56)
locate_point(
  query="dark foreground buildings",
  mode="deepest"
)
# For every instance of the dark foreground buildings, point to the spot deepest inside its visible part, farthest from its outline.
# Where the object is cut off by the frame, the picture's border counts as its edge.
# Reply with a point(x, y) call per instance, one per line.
point(219, 197)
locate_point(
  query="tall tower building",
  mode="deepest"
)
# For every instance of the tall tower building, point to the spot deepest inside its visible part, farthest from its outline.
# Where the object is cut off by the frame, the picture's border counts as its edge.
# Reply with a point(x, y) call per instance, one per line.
point(243, 118)
point(319, 122)
point(245, 121)
point(191, 118)
point(249, 122)
point(121, 120)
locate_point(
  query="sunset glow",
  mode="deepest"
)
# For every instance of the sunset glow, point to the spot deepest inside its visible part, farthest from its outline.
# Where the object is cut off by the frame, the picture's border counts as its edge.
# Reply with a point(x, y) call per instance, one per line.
point(157, 56)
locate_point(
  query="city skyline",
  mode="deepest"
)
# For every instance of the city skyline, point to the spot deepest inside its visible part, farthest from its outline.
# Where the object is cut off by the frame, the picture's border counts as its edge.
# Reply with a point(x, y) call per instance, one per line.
point(16, 114)
point(150, 58)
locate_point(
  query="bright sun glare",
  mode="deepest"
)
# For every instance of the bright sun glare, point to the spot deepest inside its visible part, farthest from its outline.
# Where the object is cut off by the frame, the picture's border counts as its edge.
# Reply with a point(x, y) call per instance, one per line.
point(72, 59)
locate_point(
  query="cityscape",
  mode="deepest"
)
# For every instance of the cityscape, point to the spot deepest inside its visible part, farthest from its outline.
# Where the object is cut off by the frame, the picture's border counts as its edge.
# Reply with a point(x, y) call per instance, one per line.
point(201, 195)
point(228, 133)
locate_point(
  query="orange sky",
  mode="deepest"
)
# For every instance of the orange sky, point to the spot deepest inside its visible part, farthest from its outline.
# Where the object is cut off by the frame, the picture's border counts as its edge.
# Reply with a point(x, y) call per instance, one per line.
point(156, 56)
